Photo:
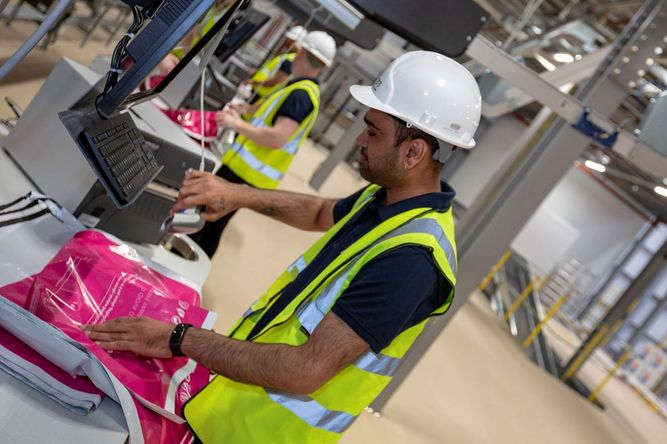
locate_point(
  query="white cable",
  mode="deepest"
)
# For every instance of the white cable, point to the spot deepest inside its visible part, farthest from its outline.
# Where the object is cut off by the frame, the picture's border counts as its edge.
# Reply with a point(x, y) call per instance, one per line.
point(202, 122)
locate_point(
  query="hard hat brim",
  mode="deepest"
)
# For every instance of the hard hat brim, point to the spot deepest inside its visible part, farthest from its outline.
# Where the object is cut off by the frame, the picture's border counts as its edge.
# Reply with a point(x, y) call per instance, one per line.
point(316, 54)
point(365, 95)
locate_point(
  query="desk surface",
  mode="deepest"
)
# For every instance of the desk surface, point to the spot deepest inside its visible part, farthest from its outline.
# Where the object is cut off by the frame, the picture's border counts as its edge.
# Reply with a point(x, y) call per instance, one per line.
point(27, 416)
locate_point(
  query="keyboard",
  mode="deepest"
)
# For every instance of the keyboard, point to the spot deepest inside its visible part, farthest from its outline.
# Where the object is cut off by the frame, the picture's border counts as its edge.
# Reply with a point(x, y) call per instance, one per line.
point(122, 161)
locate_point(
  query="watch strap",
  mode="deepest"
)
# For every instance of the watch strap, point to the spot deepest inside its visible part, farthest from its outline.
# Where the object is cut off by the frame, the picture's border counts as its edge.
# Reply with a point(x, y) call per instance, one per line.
point(176, 338)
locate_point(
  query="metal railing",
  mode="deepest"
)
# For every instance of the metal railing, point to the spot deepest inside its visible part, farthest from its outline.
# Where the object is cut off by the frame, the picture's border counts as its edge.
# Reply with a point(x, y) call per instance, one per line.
point(517, 292)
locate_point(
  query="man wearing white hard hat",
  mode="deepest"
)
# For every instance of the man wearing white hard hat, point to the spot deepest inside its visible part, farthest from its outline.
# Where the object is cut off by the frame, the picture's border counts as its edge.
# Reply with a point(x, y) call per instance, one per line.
point(327, 337)
point(274, 74)
point(270, 131)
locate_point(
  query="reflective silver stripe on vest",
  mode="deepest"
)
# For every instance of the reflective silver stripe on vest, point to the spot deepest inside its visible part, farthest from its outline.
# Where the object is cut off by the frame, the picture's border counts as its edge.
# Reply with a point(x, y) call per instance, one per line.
point(429, 226)
point(366, 199)
point(378, 363)
point(312, 412)
point(257, 164)
point(310, 317)
point(313, 312)
point(298, 265)
point(293, 146)
point(271, 106)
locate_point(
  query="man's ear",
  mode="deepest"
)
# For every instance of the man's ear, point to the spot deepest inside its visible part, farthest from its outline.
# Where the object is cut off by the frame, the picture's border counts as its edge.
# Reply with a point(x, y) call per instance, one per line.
point(416, 151)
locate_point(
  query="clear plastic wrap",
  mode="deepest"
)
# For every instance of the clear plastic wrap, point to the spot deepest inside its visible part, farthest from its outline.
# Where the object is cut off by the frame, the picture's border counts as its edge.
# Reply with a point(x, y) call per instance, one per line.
point(191, 122)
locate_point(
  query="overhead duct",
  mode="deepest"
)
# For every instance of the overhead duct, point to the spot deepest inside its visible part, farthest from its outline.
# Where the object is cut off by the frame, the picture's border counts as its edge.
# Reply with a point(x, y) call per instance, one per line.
point(366, 34)
point(445, 26)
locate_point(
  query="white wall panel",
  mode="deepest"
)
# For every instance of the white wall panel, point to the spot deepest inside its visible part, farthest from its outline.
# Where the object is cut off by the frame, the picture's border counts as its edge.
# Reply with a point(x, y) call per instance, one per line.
point(605, 224)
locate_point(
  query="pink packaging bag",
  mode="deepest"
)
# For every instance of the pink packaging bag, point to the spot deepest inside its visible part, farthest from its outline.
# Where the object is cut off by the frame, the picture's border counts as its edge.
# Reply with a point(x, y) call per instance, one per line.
point(19, 291)
point(156, 429)
point(93, 279)
point(191, 122)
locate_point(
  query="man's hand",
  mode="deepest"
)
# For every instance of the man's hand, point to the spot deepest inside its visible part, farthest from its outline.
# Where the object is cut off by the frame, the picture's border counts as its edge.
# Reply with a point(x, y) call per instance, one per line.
point(143, 336)
point(228, 117)
point(167, 64)
point(238, 107)
point(218, 196)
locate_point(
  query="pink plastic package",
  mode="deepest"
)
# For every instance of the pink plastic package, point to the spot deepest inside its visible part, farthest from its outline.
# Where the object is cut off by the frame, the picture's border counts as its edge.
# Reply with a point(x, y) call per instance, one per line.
point(191, 122)
point(93, 279)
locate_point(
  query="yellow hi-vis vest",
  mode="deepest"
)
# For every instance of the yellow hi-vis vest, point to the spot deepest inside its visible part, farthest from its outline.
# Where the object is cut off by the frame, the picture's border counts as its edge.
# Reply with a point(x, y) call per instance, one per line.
point(262, 166)
point(229, 412)
point(267, 71)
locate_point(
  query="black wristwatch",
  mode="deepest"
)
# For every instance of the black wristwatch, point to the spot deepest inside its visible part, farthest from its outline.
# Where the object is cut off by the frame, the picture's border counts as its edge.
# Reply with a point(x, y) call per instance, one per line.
point(176, 338)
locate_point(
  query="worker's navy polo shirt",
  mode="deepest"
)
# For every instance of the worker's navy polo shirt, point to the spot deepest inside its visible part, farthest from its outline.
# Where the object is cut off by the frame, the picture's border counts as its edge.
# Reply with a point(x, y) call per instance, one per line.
point(392, 292)
point(297, 105)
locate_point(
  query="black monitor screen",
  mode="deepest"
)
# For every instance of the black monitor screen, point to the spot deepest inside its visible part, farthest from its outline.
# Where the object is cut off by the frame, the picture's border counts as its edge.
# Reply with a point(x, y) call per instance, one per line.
point(253, 21)
point(171, 23)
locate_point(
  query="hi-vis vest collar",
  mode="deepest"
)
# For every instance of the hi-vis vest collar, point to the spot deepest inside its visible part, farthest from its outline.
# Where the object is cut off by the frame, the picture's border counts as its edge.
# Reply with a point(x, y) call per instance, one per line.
point(257, 415)
point(268, 71)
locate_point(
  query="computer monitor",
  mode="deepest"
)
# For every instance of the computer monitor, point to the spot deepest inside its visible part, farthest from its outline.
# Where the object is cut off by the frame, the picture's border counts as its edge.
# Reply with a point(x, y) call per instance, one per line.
point(247, 27)
point(110, 142)
point(172, 21)
point(187, 80)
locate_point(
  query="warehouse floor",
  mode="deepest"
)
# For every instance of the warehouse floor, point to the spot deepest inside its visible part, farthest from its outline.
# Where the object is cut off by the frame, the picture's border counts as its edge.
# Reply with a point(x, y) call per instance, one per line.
point(474, 385)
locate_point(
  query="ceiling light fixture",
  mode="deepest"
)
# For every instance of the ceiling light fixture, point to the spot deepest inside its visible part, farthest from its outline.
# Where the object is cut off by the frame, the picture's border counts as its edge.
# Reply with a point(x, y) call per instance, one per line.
point(562, 57)
point(343, 11)
point(596, 166)
point(544, 62)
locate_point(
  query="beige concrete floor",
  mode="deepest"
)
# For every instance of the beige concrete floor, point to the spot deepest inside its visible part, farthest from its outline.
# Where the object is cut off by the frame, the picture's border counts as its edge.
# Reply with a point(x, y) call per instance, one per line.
point(474, 386)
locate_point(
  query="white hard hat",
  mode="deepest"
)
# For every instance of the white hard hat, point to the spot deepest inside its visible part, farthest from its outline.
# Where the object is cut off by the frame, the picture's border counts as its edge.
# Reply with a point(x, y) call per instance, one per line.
point(321, 45)
point(296, 33)
point(431, 92)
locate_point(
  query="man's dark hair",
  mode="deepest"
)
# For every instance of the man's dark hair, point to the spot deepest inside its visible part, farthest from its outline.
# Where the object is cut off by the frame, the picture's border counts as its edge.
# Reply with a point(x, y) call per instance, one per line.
point(402, 133)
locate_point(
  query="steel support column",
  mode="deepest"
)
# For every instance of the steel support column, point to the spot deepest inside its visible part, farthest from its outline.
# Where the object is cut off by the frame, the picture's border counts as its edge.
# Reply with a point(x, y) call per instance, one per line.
point(505, 205)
